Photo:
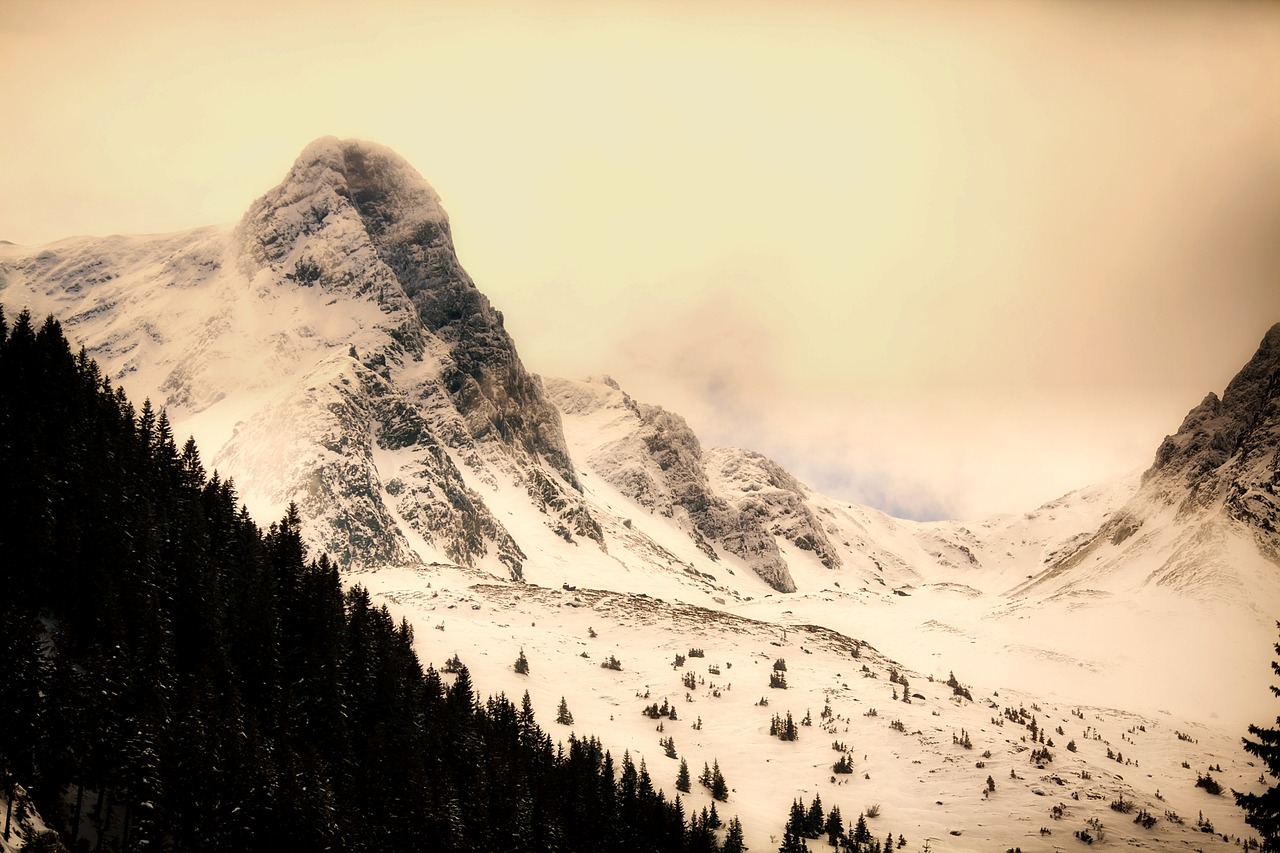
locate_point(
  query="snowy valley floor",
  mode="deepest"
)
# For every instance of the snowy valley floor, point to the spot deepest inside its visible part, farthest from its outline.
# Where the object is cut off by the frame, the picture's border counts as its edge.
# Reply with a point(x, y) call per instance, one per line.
point(906, 758)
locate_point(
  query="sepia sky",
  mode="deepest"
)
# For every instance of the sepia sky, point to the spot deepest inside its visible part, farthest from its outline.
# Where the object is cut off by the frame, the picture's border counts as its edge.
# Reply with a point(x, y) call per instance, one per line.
point(948, 259)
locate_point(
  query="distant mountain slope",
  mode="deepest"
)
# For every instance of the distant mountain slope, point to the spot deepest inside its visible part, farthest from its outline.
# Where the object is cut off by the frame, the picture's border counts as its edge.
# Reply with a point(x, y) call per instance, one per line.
point(652, 457)
point(738, 505)
point(1204, 520)
point(1225, 450)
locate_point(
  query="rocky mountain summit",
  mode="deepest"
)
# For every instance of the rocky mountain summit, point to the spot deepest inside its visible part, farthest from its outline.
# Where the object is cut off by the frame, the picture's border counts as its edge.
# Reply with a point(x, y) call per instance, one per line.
point(1206, 509)
point(354, 217)
point(1225, 450)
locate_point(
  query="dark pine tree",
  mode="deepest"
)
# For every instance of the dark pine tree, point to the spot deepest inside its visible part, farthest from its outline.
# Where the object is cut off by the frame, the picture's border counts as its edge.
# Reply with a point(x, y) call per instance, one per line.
point(861, 835)
point(563, 715)
point(733, 839)
point(814, 818)
point(834, 826)
point(1262, 811)
point(682, 778)
point(719, 788)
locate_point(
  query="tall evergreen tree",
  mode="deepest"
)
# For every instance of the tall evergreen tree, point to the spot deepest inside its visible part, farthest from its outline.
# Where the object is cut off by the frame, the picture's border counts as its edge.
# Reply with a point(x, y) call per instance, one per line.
point(1262, 811)
point(814, 818)
point(861, 834)
point(733, 839)
point(719, 788)
point(682, 777)
point(834, 826)
point(796, 820)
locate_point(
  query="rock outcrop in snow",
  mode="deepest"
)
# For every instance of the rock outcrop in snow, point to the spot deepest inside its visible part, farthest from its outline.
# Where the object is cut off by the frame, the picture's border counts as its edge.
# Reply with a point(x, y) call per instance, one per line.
point(354, 217)
point(653, 457)
point(1225, 450)
point(772, 499)
point(1204, 520)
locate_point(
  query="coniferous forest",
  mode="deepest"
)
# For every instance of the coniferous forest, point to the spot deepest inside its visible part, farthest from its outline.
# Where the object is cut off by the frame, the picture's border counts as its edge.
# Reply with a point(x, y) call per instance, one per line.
point(173, 677)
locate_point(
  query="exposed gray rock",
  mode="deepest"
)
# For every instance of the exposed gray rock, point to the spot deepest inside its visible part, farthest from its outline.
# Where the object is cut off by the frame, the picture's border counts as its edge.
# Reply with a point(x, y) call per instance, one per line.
point(354, 220)
point(1226, 449)
point(1219, 473)
point(408, 233)
point(657, 461)
point(764, 492)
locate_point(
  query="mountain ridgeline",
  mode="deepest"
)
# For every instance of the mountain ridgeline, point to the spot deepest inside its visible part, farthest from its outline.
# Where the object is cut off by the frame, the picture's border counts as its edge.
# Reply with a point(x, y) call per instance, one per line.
point(176, 678)
point(1211, 494)
point(330, 352)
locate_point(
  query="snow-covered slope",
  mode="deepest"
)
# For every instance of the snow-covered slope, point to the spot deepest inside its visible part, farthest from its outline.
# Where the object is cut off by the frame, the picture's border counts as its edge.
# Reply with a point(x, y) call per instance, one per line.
point(906, 760)
point(329, 350)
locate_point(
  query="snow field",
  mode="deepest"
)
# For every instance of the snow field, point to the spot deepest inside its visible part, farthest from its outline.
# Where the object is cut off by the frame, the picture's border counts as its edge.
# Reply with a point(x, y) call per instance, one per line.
point(926, 785)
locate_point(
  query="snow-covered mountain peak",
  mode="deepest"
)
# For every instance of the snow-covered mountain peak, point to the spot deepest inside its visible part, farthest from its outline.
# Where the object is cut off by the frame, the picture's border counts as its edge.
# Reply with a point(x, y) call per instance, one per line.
point(379, 185)
point(1225, 450)
point(317, 227)
point(1204, 519)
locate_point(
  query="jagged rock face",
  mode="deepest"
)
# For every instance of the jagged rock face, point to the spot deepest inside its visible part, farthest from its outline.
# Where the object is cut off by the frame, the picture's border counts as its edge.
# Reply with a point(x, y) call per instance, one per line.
point(370, 199)
point(1226, 449)
point(658, 462)
point(316, 446)
point(355, 219)
point(1215, 481)
point(773, 498)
